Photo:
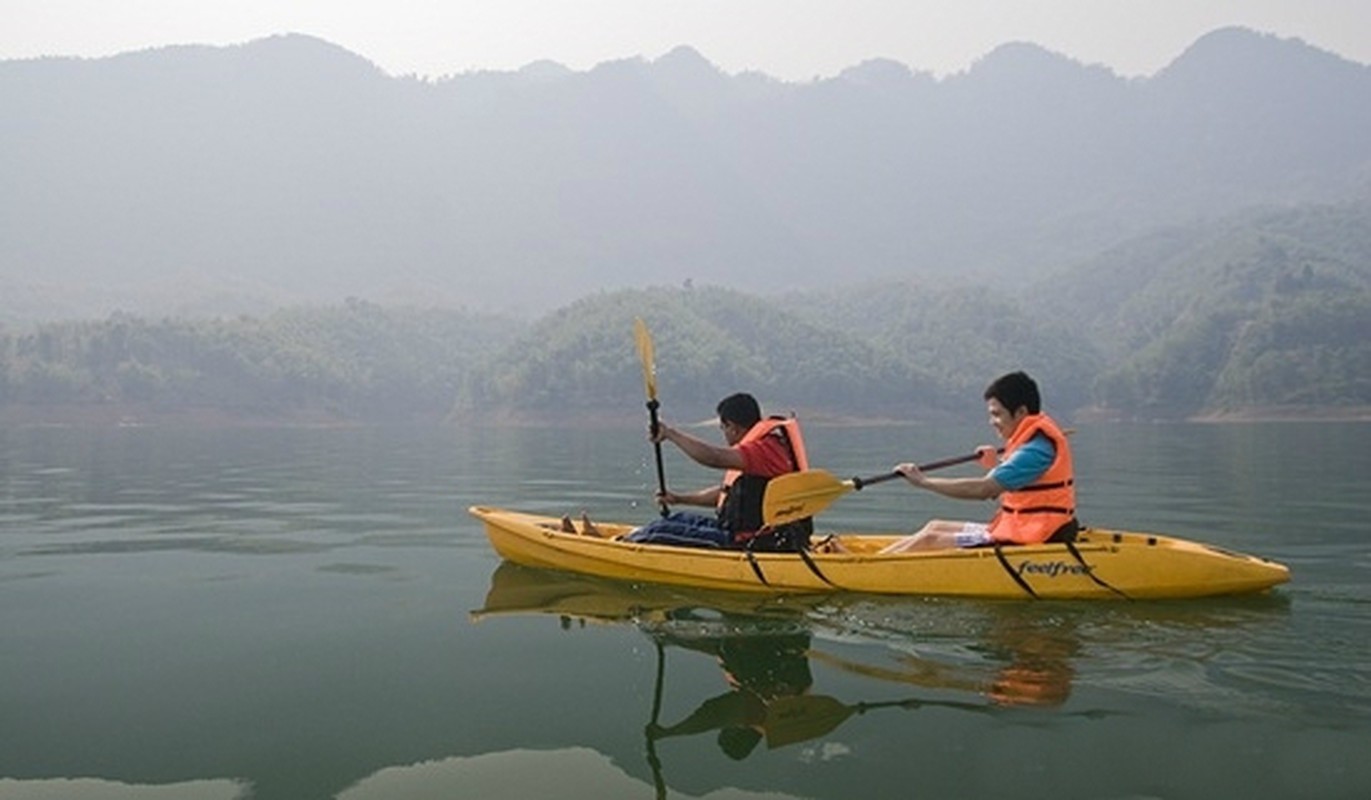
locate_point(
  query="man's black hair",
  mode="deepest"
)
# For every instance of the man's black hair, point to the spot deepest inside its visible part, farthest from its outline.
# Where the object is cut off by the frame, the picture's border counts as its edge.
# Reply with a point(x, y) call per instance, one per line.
point(740, 409)
point(1014, 391)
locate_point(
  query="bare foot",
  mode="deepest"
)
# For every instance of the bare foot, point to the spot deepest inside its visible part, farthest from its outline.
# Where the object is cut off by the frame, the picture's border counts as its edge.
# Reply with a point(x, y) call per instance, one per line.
point(829, 544)
point(587, 527)
point(567, 527)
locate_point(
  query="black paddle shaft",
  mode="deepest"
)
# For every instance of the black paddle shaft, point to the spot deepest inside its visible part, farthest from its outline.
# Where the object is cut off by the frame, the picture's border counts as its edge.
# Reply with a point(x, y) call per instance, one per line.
point(652, 406)
point(858, 483)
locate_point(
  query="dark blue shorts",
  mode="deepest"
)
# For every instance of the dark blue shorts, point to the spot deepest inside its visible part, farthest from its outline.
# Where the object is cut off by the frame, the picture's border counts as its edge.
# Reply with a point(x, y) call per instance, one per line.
point(684, 529)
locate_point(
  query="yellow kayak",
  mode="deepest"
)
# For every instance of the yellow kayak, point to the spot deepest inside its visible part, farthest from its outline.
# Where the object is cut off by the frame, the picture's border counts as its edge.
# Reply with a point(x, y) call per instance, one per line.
point(1099, 565)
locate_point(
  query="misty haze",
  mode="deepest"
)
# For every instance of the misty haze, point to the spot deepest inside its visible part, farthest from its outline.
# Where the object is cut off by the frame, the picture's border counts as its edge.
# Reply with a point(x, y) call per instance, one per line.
point(1121, 226)
point(323, 393)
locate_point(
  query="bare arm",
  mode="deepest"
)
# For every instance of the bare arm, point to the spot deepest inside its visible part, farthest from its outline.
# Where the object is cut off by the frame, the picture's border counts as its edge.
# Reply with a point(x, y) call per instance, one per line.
point(982, 488)
point(700, 451)
point(708, 496)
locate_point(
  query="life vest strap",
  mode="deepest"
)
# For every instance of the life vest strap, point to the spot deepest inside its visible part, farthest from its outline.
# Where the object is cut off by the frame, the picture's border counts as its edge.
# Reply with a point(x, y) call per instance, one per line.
point(1038, 510)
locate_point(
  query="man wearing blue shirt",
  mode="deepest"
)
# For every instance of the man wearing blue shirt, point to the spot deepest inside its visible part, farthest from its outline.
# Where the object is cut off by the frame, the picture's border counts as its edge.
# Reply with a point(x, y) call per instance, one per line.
point(1035, 482)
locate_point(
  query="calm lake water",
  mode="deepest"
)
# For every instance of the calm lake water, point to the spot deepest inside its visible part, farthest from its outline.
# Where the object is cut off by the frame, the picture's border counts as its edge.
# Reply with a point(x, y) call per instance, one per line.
point(310, 613)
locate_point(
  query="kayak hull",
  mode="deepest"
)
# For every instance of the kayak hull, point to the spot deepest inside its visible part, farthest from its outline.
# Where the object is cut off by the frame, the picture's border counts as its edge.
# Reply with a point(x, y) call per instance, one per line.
point(1102, 564)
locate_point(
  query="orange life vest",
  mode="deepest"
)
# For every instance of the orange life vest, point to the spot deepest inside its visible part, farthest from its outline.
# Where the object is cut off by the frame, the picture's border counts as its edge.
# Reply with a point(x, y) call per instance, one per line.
point(740, 504)
point(1032, 514)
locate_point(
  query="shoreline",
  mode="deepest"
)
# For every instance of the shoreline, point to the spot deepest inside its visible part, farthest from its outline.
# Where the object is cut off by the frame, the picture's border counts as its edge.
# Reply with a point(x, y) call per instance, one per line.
point(127, 416)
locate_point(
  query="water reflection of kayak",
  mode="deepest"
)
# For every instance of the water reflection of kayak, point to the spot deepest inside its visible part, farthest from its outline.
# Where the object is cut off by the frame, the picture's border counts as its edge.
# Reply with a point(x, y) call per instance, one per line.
point(763, 647)
point(807, 672)
point(1101, 564)
point(516, 589)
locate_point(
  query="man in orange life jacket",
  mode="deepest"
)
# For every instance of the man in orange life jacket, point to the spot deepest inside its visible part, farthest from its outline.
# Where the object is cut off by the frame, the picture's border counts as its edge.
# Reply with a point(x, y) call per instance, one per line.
point(756, 451)
point(1035, 481)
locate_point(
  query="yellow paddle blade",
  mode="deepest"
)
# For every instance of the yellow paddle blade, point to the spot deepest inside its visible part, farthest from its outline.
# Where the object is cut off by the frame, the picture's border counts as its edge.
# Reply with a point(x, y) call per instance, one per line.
point(797, 495)
point(644, 340)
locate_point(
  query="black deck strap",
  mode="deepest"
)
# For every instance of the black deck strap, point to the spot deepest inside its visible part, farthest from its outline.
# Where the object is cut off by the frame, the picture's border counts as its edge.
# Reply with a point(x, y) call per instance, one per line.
point(814, 568)
point(1004, 562)
point(1090, 571)
point(1066, 533)
point(756, 568)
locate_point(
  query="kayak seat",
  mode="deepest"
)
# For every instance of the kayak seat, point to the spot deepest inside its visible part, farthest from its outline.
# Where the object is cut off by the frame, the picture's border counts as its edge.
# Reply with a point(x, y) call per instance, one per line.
point(1066, 534)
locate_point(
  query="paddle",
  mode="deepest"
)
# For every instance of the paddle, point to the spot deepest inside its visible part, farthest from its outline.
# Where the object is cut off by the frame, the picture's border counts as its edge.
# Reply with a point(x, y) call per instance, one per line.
point(799, 718)
point(650, 382)
point(802, 717)
point(797, 495)
point(652, 760)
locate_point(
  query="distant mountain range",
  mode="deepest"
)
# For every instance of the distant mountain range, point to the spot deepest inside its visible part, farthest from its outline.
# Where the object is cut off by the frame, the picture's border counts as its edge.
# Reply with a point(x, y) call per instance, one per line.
point(201, 180)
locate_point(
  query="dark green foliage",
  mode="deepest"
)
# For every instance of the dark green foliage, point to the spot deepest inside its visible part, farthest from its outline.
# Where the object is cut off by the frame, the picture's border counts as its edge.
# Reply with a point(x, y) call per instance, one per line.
point(1309, 350)
point(1174, 375)
point(960, 337)
point(1262, 310)
point(708, 342)
point(1268, 310)
point(359, 361)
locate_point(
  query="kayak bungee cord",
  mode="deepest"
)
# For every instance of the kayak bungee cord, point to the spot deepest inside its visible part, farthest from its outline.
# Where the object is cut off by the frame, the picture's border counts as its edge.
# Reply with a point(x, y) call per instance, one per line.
point(814, 568)
point(1090, 571)
point(1004, 562)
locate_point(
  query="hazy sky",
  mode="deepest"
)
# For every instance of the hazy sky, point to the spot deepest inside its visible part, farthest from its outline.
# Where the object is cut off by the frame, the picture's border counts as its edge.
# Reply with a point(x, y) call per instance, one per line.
point(789, 39)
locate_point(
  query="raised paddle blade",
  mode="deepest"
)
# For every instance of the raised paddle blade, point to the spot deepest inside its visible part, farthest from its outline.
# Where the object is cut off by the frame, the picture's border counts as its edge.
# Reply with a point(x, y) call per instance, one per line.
point(645, 354)
point(797, 495)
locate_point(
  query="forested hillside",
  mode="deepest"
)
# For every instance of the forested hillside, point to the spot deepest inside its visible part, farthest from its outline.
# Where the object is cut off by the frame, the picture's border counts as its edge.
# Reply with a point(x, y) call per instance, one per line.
point(1263, 312)
point(708, 342)
point(1265, 309)
point(355, 362)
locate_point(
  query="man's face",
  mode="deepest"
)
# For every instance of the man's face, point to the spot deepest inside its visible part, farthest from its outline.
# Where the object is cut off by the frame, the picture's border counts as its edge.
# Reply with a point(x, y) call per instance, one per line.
point(1002, 420)
point(733, 432)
